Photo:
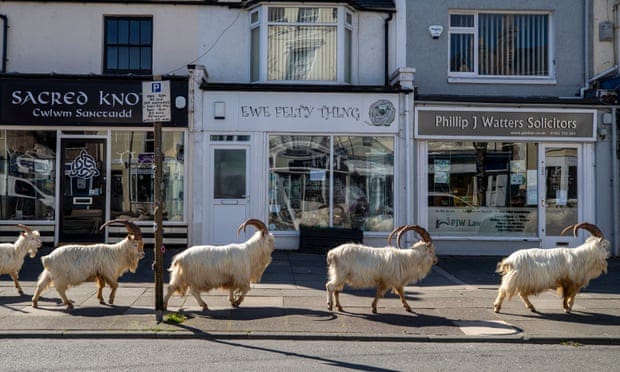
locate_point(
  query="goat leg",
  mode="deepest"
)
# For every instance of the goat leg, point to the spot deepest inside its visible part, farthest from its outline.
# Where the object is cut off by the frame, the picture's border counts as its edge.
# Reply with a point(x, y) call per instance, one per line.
point(380, 293)
point(330, 293)
point(497, 305)
point(196, 293)
point(100, 285)
point(14, 276)
point(401, 294)
point(242, 292)
point(43, 283)
point(527, 302)
point(337, 297)
point(62, 289)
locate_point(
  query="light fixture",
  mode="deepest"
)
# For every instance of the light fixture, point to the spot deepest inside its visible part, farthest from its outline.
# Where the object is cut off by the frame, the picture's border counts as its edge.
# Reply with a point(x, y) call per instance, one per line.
point(219, 110)
point(435, 31)
point(602, 133)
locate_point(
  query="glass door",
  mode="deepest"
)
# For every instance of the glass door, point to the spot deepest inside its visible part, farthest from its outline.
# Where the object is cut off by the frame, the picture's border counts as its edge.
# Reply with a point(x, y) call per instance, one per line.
point(83, 190)
point(229, 193)
point(560, 193)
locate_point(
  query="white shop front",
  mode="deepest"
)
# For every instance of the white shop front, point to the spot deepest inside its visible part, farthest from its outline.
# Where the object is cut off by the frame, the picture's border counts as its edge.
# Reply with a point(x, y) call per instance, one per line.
point(495, 179)
point(292, 159)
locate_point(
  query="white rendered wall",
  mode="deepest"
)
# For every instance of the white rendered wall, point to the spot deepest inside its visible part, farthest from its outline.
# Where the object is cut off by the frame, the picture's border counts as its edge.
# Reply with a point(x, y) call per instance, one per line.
point(67, 38)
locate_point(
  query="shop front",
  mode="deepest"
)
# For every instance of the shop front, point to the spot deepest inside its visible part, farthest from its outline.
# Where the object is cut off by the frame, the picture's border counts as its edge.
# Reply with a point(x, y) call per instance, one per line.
point(75, 152)
point(492, 180)
point(295, 160)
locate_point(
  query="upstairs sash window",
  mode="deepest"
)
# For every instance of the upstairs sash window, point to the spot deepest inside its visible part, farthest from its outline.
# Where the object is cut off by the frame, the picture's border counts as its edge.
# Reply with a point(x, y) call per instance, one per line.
point(500, 45)
point(302, 44)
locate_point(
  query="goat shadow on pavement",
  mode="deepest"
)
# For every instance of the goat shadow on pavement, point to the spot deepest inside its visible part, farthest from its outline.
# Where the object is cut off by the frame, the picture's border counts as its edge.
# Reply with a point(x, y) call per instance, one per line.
point(576, 316)
point(252, 313)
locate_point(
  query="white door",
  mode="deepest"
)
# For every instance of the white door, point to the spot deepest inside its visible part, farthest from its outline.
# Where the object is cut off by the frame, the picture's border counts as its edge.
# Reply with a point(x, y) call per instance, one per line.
point(229, 193)
point(560, 193)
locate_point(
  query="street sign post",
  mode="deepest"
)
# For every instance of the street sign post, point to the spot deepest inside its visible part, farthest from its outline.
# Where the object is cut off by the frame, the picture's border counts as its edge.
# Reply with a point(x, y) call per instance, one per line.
point(156, 109)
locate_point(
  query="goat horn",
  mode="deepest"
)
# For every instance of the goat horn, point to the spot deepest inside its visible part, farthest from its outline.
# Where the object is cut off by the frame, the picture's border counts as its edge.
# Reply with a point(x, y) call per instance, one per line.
point(132, 228)
point(26, 228)
point(592, 229)
point(254, 222)
point(567, 229)
point(396, 230)
point(420, 230)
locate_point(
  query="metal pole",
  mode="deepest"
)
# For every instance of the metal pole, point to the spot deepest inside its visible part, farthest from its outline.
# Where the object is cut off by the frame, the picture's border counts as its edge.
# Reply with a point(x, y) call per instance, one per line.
point(159, 256)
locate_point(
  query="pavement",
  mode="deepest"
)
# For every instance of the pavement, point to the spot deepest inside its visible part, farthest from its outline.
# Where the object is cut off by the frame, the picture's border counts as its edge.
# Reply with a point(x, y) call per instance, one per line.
point(452, 304)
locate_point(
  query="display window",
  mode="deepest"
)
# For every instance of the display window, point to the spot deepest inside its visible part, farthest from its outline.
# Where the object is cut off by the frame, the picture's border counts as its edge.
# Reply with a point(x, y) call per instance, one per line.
point(331, 181)
point(133, 175)
point(27, 174)
point(482, 188)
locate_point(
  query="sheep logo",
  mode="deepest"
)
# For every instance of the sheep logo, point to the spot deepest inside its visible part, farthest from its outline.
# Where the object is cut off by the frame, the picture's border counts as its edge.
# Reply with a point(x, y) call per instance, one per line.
point(84, 166)
point(381, 113)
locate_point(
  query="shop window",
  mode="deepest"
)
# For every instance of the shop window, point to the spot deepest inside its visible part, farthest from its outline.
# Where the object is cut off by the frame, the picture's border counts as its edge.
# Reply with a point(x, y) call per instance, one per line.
point(347, 178)
point(482, 188)
point(302, 44)
point(27, 175)
point(500, 45)
point(133, 175)
point(128, 45)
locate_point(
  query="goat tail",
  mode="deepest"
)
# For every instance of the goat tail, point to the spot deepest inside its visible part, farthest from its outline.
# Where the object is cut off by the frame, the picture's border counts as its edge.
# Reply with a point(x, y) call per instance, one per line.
point(176, 278)
point(331, 258)
point(503, 267)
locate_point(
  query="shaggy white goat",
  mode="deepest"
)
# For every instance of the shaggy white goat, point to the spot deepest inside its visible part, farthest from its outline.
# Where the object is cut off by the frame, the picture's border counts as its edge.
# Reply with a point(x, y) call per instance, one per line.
point(71, 265)
point(12, 254)
point(529, 272)
point(232, 266)
point(360, 266)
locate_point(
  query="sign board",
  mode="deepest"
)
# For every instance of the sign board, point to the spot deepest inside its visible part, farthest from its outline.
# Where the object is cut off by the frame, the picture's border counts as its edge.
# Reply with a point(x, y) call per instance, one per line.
point(508, 124)
point(155, 101)
point(54, 101)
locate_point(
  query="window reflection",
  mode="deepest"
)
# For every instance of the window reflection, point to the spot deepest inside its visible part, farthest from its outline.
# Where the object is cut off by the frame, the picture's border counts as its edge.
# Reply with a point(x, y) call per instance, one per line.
point(488, 188)
point(133, 175)
point(359, 170)
point(27, 174)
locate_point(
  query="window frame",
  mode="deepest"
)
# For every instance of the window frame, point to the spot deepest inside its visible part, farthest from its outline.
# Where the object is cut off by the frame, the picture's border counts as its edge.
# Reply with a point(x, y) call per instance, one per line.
point(141, 46)
point(258, 20)
point(474, 76)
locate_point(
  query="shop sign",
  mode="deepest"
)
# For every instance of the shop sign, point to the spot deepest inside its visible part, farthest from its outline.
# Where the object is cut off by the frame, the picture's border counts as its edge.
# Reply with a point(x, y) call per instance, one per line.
point(565, 125)
point(377, 113)
point(79, 101)
point(482, 220)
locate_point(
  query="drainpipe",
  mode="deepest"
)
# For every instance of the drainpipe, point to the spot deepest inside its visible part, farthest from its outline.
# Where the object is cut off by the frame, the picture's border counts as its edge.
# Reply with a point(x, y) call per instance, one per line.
point(614, 173)
point(386, 41)
point(5, 22)
point(586, 46)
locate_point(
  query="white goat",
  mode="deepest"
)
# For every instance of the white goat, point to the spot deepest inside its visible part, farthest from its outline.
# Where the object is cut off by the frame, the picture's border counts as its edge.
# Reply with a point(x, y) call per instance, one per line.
point(531, 271)
point(71, 265)
point(360, 266)
point(12, 254)
point(232, 266)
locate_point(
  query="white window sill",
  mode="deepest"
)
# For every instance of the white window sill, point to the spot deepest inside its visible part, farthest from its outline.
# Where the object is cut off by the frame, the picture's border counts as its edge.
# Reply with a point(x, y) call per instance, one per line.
point(501, 80)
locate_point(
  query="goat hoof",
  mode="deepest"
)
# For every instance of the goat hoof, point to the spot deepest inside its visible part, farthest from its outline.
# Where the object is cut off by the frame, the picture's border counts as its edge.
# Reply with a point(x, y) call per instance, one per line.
point(409, 310)
point(496, 309)
point(21, 293)
point(35, 305)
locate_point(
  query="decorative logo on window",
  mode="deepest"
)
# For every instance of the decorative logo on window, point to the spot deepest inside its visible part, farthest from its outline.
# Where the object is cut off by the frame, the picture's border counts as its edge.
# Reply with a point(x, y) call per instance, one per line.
point(381, 113)
point(84, 166)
